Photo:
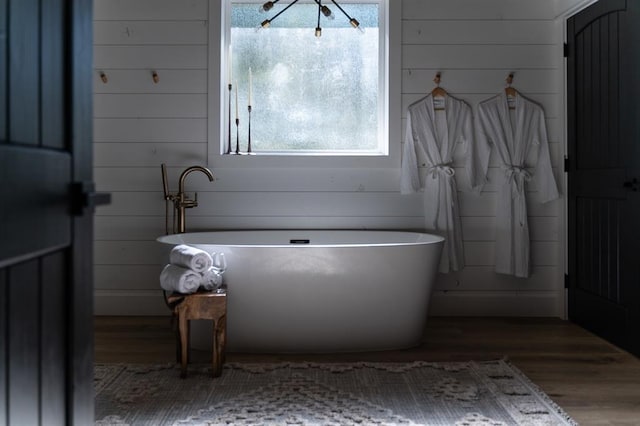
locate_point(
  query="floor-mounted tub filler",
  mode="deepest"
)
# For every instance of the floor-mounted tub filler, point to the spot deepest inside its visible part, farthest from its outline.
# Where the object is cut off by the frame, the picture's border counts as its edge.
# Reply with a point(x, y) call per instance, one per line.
point(321, 291)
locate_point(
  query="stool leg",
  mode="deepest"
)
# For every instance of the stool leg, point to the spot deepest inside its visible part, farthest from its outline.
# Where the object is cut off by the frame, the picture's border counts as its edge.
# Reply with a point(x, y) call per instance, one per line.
point(223, 337)
point(184, 344)
point(218, 346)
point(178, 343)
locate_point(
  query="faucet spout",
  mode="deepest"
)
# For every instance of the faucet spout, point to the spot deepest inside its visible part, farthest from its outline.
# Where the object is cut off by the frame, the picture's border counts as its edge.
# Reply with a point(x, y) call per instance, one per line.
point(188, 170)
point(182, 203)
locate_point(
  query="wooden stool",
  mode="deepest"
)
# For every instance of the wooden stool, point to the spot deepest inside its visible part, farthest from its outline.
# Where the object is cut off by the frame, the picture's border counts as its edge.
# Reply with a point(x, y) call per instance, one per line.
point(201, 305)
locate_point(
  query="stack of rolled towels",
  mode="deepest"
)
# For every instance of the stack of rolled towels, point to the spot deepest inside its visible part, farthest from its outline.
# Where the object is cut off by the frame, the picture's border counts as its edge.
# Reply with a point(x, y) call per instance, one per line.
point(189, 269)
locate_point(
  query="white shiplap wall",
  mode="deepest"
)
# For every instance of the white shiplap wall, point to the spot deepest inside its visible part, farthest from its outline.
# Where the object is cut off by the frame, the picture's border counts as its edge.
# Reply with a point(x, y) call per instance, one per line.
point(140, 124)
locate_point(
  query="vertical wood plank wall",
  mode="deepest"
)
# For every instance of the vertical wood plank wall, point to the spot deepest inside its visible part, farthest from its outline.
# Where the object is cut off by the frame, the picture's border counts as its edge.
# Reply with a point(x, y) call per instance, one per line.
point(140, 124)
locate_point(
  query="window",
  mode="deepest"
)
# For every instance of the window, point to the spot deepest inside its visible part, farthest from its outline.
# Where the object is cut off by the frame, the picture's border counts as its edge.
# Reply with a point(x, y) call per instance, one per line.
point(310, 95)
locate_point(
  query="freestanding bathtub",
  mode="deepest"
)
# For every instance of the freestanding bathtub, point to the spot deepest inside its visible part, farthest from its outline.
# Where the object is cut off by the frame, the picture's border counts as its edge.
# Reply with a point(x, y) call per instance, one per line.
point(321, 291)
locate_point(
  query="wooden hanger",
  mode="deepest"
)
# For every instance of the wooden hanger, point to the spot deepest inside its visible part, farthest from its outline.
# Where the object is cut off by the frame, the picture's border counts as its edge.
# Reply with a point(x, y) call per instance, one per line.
point(438, 91)
point(510, 91)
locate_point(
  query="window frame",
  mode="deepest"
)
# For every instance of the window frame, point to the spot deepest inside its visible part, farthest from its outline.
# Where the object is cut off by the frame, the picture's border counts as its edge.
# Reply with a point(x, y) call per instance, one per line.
point(390, 35)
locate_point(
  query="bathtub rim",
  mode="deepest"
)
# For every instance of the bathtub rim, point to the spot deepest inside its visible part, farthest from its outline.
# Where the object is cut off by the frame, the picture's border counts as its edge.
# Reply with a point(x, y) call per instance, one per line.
point(421, 238)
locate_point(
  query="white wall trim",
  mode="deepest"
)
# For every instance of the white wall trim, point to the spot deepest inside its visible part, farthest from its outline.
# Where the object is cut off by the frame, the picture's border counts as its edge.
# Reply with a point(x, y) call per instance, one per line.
point(217, 44)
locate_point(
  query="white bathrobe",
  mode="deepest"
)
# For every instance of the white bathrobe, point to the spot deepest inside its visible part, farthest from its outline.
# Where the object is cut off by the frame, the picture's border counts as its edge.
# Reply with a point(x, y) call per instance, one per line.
point(513, 135)
point(430, 141)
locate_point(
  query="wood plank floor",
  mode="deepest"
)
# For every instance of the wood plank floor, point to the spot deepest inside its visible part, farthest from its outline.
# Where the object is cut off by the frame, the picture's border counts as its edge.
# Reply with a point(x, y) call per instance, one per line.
point(594, 381)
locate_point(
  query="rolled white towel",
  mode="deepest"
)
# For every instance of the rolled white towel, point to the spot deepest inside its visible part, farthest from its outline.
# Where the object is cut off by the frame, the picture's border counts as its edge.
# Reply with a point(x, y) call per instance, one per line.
point(182, 280)
point(211, 279)
point(190, 257)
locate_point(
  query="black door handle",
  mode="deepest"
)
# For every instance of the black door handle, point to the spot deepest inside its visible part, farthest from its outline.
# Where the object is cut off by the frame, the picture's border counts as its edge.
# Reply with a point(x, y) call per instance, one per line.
point(631, 184)
point(84, 198)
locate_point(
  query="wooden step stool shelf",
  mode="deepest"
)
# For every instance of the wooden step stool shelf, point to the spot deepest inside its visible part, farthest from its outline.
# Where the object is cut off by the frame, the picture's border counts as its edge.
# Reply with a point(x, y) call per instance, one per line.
point(197, 306)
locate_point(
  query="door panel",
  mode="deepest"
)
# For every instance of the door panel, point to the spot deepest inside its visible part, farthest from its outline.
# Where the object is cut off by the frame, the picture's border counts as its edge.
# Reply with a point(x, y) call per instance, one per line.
point(23, 332)
point(24, 72)
point(4, 307)
point(604, 199)
point(54, 319)
point(597, 59)
point(36, 310)
point(46, 258)
point(598, 229)
point(36, 186)
point(53, 81)
point(4, 24)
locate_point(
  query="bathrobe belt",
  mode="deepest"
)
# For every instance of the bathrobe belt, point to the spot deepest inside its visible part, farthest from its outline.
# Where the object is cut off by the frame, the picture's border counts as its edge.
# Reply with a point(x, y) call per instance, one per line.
point(517, 176)
point(443, 169)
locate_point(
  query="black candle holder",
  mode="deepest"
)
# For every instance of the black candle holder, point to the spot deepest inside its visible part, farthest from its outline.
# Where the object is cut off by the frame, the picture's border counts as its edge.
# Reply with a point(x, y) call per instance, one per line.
point(228, 151)
point(249, 143)
point(237, 136)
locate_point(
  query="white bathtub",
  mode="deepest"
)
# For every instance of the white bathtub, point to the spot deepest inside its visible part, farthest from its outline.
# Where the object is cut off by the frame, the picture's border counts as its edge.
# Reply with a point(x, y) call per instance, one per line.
point(321, 291)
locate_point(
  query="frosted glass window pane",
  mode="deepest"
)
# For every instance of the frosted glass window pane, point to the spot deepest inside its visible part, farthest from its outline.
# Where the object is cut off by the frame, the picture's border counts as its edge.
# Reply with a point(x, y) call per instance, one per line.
point(310, 94)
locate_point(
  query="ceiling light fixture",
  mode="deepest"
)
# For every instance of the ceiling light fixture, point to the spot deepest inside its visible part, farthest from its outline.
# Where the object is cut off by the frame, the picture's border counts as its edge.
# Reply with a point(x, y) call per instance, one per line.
point(322, 10)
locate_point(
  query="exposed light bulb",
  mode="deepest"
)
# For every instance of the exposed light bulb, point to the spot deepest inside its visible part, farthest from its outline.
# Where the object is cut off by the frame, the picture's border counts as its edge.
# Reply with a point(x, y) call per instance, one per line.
point(265, 24)
point(318, 31)
point(266, 7)
point(327, 13)
point(355, 24)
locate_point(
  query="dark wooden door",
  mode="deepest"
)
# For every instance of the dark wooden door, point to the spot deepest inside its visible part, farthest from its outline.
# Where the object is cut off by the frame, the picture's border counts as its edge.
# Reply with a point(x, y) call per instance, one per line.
point(46, 294)
point(604, 170)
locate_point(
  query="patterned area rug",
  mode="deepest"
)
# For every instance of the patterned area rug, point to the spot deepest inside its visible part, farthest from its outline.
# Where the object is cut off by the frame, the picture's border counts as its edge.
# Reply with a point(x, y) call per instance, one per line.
point(418, 393)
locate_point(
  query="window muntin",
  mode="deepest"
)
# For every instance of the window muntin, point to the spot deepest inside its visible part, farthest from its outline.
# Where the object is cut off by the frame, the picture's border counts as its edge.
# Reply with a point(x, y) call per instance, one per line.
point(311, 96)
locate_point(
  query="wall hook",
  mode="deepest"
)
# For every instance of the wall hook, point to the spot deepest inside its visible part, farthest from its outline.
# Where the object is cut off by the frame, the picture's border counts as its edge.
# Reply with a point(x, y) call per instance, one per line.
point(103, 77)
point(509, 79)
point(436, 79)
point(438, 92)
point(155, 77)
point(510, 91)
